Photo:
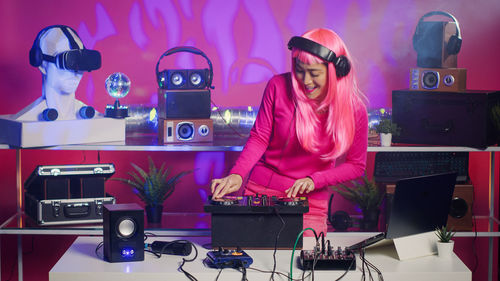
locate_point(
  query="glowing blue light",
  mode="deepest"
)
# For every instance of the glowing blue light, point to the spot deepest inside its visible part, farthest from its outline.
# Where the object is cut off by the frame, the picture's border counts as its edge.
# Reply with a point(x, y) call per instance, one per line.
point(127, 252)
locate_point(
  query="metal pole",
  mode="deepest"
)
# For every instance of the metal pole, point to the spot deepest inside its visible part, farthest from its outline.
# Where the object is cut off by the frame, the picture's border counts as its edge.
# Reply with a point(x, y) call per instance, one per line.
point(19, 214)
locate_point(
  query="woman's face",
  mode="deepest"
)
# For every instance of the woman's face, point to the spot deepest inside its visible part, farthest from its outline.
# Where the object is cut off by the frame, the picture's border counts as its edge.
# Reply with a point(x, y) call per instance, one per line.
point(312, 77)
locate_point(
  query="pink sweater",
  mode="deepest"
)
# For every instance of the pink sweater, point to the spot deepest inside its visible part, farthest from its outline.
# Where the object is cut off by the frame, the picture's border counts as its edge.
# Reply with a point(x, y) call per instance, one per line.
point(276, 156)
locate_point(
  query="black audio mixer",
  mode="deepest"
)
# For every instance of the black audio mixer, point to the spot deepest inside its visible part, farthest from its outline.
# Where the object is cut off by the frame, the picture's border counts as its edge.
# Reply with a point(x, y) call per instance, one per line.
point(328, 259)
point(254, 222)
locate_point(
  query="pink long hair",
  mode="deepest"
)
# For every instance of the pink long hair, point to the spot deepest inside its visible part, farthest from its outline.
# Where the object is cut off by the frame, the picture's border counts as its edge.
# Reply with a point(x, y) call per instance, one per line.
point(340, 101)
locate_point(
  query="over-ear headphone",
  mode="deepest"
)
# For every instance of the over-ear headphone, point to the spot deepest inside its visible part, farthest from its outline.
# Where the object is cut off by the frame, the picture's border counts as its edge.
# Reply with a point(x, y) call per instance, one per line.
point(342, 64)
point(454, 43)
point(36, 54)
point(188, 49)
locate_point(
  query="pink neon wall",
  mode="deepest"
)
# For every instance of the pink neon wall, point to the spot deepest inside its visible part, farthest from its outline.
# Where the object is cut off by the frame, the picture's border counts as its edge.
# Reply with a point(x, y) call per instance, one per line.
point(246, 42)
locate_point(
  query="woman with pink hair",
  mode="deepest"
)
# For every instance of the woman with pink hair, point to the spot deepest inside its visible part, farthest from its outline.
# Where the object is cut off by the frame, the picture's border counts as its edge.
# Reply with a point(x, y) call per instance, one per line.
point(308, 118)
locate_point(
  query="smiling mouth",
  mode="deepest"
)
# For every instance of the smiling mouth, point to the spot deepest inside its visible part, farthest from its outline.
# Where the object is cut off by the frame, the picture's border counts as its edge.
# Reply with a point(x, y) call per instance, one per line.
point(309, 89)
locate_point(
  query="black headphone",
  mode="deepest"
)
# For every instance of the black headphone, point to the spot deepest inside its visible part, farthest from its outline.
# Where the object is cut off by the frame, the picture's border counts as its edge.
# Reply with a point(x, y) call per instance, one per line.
point(188, 49)
point(342, 64)
point(36, 54)
point(455, 41)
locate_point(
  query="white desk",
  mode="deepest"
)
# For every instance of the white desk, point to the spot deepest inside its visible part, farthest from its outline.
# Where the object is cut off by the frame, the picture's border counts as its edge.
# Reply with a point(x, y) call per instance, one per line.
point(80, 263)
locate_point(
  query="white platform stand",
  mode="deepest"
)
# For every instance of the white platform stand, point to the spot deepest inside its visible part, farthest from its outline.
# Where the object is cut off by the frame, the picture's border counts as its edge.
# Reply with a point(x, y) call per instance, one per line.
point(48, 133)
point(80, 263)
point(410, 247)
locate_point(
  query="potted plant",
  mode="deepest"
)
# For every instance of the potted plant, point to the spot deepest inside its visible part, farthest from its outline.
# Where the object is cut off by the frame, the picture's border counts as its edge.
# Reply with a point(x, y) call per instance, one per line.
point(152, 187)
point(367, 195)
point(386, 128)
point(445, 244)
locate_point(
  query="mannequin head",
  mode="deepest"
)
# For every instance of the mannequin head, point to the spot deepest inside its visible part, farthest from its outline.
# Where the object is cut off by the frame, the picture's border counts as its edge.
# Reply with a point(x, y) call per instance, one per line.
point(57, 81)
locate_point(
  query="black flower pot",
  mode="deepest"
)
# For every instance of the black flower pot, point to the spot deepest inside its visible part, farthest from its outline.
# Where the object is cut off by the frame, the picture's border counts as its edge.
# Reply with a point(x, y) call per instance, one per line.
point(370, 220)
point(154, 213)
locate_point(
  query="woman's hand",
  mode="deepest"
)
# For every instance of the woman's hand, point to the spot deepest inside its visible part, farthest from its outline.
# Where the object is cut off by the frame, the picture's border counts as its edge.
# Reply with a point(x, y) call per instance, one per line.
point(300, 186)
point(229, 184)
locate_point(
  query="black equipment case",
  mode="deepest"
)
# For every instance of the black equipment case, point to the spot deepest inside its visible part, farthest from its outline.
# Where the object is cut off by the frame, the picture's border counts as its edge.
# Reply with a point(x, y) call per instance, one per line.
point(66, 211)
point(68, 181)
point(470, 118)
point(67, 194)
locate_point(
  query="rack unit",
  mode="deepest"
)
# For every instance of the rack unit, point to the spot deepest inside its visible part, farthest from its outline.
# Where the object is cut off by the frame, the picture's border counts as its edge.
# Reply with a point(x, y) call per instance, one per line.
point(16, 225)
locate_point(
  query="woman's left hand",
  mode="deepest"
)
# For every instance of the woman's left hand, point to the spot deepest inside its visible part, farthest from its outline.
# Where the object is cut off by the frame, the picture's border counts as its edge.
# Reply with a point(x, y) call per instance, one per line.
point(300, 186)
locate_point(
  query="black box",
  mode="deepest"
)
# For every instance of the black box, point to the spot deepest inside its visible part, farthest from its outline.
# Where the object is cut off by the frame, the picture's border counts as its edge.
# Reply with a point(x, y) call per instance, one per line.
point(68, 181)
point(470, 118)
point(66, 211)
point(184, 104)
point(254, 223)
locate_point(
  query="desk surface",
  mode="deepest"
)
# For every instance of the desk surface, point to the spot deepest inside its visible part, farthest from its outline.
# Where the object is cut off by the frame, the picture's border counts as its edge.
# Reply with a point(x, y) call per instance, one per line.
point(80, 263)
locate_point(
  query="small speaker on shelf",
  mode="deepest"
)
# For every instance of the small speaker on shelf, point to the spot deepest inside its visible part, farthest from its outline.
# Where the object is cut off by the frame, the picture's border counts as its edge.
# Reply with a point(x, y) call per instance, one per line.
point(123, 233)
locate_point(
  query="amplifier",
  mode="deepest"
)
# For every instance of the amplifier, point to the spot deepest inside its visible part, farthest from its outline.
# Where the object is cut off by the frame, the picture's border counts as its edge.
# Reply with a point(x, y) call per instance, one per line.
point(66, 211)
point(68, 181)
point(254, 222)
point(185, 130)
point(468, 118)
point(438, 79)
point(184, 104)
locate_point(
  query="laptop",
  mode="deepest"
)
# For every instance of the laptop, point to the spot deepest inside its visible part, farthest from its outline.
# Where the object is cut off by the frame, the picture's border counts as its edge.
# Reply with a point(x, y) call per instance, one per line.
point(420, 204)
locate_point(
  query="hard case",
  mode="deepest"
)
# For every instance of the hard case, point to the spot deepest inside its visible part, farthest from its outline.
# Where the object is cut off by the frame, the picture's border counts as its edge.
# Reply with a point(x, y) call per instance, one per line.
point(68, 181)
point(470, 118)
point(66, 211)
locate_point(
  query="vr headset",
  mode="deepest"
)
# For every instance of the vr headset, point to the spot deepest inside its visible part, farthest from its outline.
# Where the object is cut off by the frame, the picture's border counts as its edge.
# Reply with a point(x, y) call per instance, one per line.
point(75, 59)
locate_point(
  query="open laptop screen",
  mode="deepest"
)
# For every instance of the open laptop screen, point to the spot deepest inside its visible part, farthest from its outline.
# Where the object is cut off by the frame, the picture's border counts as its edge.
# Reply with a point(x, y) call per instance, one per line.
point(420, 204)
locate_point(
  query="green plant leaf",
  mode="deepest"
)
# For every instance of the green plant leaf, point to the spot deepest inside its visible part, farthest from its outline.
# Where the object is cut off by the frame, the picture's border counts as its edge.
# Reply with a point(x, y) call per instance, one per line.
point(366, 194)
point(152, 187)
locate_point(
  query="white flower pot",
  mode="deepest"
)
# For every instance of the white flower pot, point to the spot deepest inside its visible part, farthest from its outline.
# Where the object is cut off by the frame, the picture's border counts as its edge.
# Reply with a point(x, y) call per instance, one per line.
point(445, 249)
point(385, 139)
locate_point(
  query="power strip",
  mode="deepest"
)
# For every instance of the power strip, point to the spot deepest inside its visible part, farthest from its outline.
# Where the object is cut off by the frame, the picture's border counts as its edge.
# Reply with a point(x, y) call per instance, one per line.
point(340, 259)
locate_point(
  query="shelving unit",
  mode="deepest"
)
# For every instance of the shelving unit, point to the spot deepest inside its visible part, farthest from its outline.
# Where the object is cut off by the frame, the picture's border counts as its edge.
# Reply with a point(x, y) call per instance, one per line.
point(16, 224)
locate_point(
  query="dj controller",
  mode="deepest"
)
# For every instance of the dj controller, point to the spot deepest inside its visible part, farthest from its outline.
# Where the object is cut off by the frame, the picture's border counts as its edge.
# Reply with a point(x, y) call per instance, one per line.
point(256, 222)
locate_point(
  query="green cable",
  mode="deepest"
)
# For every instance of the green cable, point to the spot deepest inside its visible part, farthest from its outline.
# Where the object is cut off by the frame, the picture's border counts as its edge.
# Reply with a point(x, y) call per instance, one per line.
point(295, 245)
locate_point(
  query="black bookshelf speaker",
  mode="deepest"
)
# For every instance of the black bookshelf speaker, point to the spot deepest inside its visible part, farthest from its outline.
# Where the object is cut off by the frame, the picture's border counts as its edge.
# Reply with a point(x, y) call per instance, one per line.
point(123, 233)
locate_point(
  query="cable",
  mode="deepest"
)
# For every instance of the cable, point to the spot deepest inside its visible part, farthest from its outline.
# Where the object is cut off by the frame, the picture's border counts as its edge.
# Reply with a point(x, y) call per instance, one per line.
point(97, 249)
point(295, 245)
point(278, 273)
point(276, 241)
point(220, 271)
point(346, 271)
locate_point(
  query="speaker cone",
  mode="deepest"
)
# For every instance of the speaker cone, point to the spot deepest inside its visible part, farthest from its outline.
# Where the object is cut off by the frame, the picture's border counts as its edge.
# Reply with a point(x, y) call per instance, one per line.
point(430, 80)
point(458, 207)
point(185, 131)
point(126, 228)
point(177, 79)
point(196, 79)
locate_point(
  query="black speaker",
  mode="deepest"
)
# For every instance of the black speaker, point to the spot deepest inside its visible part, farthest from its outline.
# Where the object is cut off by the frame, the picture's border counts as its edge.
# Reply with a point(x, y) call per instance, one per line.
point(123, 233)
point(179, 104)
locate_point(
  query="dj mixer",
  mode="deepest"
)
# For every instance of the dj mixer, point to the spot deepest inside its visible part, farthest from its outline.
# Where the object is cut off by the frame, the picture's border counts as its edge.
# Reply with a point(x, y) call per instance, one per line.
point(254, 222)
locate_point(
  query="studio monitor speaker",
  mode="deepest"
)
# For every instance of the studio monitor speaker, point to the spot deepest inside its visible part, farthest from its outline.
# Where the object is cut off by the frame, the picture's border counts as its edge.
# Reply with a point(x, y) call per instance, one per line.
point(460, 216)
point(123, 233)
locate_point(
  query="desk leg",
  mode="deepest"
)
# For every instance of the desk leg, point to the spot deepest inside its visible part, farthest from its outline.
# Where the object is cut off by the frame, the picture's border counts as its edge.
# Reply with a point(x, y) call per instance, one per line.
point(492, 214)
point(19, 257)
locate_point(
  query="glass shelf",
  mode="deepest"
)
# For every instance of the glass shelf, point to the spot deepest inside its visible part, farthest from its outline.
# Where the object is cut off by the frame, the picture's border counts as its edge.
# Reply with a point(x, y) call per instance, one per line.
point(172, 224)
point(190, 224)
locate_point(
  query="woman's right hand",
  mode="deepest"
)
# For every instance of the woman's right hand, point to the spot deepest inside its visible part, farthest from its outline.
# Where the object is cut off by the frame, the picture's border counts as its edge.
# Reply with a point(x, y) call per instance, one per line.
point(223, 186)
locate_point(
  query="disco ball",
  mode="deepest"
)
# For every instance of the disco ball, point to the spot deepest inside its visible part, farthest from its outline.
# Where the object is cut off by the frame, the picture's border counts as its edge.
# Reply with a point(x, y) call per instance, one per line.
point(117, 85)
